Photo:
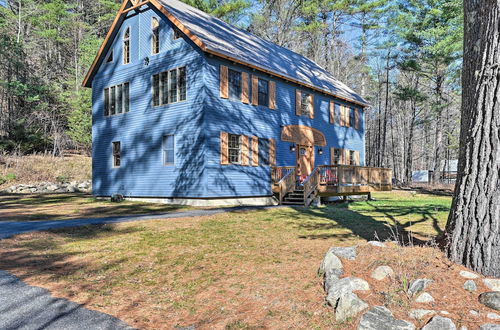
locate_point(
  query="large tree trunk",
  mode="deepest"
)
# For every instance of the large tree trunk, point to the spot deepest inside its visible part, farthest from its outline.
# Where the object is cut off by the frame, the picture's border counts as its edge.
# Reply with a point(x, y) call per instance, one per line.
point(473, 228)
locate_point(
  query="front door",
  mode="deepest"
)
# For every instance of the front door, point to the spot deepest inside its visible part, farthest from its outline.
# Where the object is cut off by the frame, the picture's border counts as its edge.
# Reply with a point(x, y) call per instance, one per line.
point(305, 161)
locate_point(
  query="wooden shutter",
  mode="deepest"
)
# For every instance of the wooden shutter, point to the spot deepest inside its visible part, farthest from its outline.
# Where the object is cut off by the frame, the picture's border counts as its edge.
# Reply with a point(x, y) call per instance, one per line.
point(297, 102)
point(255, 151)
point(272, 152)
point(342, 157)
point(332, 156)
point(332, 112)
point(244, 150)
point(356, 158)
point(347, 112)
point(272, 95)
point(244, 87)
point(255, 90)
point(311, 106)
point(224, 83)
point(224, 157)
point(356, 118)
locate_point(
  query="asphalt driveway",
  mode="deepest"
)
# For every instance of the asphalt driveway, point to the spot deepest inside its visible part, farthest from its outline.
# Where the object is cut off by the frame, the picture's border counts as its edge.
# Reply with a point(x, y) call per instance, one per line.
point(28, 307)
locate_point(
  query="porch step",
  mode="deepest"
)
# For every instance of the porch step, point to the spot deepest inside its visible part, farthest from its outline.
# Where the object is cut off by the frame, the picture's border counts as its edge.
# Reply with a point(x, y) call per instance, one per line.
point(294, 198)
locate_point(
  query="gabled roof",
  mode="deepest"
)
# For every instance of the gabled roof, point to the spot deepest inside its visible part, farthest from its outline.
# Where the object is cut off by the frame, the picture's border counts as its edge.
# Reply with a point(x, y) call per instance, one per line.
point(219, 38)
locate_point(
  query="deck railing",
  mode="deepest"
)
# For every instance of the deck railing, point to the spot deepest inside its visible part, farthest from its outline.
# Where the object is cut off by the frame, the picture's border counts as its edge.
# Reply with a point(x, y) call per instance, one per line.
point(284, 181)
point(278, 173)
point(310, 185)
point(347, 178)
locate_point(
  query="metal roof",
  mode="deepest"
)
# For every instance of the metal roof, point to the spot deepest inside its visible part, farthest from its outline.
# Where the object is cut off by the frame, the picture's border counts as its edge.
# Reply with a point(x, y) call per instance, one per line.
point(234, 43)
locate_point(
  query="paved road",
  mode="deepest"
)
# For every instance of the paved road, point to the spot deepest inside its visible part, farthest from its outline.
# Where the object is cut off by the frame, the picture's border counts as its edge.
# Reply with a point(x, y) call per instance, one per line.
point(28, 307)
point(10, 228)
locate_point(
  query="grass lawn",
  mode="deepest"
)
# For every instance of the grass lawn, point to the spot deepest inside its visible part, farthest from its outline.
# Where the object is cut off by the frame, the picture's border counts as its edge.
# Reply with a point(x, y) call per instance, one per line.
point(15, 207)
point(238, 270)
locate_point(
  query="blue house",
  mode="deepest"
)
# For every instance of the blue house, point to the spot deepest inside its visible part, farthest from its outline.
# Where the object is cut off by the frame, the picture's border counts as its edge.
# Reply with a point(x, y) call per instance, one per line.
point(189, 109)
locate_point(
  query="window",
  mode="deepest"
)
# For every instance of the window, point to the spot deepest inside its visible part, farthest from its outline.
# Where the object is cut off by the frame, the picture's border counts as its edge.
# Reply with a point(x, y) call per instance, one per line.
point(336, 156)
point(116, 153)
point(126, 46)
point(110, 57)
point(337, 114)
point(169, 86)
point(116, 99)
point(234, 149)
point(177, 33)
point(263, 90)
point(352, 159)
point(234, 85)
point(168, 150)
point(351, 117)
point(305, 105)
point(155, 41)
point(264, 151)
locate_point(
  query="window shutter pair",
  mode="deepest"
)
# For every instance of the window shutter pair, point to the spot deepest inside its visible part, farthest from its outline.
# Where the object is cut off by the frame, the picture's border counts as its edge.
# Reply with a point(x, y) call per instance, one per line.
point(298, 103)
point(332, 112)
point(224, 160)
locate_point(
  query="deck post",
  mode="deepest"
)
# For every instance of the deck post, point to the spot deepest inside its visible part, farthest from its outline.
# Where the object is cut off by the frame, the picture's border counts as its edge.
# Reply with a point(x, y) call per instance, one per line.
point(370, 196)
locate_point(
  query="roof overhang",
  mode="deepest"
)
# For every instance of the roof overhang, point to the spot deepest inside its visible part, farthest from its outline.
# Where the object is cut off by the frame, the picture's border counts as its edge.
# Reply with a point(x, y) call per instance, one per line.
point(129, 5)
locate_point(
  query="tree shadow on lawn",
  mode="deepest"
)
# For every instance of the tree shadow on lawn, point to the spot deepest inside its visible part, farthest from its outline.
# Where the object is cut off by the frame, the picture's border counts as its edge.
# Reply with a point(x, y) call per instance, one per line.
point(369, 227)
point(66, 206)
point(29, 257)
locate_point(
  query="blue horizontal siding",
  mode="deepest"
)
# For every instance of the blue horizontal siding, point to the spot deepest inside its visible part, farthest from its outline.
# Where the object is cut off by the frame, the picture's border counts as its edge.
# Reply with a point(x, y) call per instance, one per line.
point(196, 123)
point(141, 130)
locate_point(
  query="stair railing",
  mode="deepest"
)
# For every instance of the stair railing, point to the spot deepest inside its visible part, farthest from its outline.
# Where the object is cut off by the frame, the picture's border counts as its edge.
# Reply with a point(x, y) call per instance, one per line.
point(286, 184)
point(311, 184)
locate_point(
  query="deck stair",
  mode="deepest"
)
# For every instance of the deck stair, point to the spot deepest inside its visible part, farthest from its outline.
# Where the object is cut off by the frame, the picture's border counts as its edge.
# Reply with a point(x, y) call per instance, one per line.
point(295, 197)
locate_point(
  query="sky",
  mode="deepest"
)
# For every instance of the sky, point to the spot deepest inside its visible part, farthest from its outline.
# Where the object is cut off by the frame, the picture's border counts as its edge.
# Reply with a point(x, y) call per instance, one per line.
point(2, 3)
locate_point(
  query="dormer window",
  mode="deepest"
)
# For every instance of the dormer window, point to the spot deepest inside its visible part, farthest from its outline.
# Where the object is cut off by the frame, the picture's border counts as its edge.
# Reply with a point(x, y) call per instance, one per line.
point(126, 46)
point(155, 26)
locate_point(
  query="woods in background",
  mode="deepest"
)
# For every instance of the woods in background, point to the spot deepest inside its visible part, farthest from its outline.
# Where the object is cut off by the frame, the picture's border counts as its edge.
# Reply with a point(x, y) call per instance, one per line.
point(404, 56)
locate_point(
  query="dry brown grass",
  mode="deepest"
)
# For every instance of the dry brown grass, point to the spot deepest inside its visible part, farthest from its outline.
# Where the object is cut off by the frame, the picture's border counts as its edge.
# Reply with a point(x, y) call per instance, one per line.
point(38, 168)
point(410, 263)
point(238, 270)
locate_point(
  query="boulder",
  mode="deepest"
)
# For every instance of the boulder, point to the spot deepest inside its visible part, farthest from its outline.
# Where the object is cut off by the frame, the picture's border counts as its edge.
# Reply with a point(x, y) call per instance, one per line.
point(382, 272)
point(468, 275)
point(490, 299)
point(493, 316)
point(424, 297)
point(440, 323)
point(420, 313)
point(490, 327)
point(349, 305)
point(470, 285)
point(380, 317)
point(348, 253)
point(344, 286)
point(492, 284)
point(418, 285)
point(377, 244)
point(330, 264)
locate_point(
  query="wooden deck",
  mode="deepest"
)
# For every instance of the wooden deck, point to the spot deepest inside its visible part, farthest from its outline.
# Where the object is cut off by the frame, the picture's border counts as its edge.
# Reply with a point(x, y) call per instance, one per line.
point(332, 180)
